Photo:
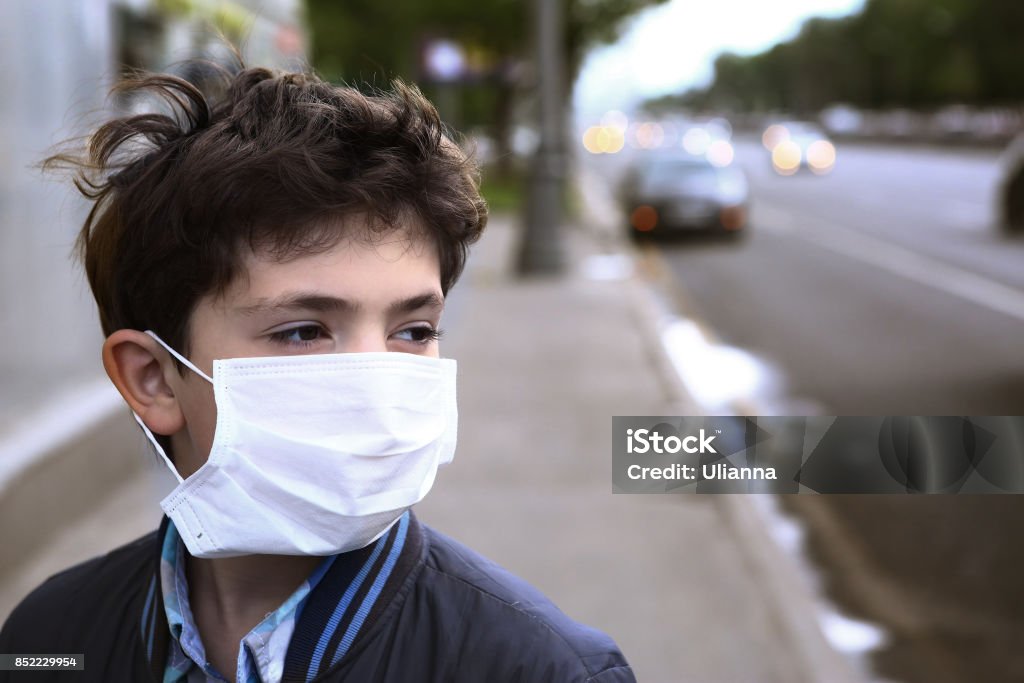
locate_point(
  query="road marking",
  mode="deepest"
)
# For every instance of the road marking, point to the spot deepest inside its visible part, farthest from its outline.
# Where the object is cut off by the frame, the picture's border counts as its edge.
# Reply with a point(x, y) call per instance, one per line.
point(901, 261)
point(973, 216)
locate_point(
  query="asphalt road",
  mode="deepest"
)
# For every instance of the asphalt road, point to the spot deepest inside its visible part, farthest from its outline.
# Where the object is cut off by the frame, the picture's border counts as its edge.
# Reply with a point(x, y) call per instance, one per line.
point(882, 288)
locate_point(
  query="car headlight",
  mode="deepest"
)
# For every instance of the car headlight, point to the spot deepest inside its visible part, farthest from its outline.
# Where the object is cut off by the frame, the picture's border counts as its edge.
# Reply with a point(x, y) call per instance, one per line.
point(821, 156)
point(786, 157)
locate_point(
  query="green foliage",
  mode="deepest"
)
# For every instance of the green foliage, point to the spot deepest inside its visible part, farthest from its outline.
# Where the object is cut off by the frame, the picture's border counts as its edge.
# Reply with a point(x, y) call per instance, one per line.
point(364, 42)
point(503, 192)
point(906, 53)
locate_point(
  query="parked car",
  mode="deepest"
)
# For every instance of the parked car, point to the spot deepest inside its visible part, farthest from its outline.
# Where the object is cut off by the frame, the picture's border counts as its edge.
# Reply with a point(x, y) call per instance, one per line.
point(675, 193)
point(1011, 189)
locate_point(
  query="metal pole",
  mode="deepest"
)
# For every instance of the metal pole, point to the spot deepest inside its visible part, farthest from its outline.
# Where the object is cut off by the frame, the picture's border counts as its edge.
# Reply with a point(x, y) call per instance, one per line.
point(542, 250)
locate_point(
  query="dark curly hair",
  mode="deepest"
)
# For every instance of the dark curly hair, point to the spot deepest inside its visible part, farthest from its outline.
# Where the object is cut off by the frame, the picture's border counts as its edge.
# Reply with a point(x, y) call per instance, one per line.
point(259, 158)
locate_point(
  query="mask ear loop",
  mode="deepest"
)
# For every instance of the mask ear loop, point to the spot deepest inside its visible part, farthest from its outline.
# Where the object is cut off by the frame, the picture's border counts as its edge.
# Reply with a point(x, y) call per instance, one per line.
point(159, 449)
point(149, 435)
point(180, 357)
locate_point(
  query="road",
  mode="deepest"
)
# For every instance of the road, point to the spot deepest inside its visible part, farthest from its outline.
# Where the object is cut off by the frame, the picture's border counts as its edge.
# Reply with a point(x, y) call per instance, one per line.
point(882, 288)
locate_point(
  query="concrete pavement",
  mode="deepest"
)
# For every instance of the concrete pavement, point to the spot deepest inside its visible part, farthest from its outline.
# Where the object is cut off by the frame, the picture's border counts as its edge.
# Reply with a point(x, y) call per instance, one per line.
point(691, 587)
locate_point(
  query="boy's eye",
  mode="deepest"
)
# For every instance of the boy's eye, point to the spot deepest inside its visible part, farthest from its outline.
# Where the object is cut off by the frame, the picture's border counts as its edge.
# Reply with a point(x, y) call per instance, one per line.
point(305, 334)
point(424, 334)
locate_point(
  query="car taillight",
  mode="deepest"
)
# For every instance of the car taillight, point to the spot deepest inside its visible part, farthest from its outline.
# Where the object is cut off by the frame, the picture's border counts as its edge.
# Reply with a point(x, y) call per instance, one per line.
point(644, 218)
point(733, 217)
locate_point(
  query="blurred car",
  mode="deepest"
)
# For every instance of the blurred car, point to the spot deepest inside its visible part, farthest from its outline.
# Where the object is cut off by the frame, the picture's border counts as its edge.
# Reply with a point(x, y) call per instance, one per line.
point(796, 145)
point(1011, 188)
point(678, 193)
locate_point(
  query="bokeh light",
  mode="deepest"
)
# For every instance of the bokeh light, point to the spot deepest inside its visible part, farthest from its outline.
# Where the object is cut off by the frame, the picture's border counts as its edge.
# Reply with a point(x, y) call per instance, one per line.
point(719, 128)
point(611, 140)
point(644, 218)
point(603, 140)
point(786, 157)
point(649, 135)
point(821, 156)
point(733, 217)
point(720, 153)
point(773, 135)
point(696, 141)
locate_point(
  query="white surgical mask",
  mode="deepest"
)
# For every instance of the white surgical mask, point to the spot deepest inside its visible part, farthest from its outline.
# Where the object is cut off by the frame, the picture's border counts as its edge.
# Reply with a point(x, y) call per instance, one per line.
point(315, 454)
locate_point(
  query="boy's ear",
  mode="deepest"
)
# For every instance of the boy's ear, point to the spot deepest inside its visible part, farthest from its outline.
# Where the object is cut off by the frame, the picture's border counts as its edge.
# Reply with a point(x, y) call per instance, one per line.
point(139, 367)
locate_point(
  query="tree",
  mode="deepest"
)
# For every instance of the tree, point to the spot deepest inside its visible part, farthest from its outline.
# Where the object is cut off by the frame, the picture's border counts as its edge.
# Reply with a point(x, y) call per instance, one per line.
point(893, 53)
point(365, 42)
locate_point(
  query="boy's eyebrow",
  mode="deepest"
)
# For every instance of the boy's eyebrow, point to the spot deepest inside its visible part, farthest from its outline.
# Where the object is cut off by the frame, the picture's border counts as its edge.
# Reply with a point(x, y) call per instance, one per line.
point(414, 303)
point(322, 303)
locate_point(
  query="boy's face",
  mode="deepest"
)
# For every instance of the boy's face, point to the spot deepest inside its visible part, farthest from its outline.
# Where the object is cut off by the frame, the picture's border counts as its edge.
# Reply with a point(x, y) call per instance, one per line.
point(354, 297)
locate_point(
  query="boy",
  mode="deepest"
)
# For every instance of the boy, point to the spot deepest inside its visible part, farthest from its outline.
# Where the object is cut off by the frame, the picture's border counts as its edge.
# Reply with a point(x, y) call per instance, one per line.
point(270, 265)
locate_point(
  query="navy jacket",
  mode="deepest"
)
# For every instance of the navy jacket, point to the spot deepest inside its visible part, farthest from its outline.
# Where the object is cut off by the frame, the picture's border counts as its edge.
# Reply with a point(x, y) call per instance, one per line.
point(447, 615)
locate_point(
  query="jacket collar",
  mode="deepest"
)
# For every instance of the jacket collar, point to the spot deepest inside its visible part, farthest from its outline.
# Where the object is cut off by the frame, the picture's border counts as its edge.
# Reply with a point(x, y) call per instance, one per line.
point(346, 607)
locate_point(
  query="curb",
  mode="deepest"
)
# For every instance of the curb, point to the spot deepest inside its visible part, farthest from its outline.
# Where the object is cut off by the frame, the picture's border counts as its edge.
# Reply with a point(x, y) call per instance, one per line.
point(791, 599)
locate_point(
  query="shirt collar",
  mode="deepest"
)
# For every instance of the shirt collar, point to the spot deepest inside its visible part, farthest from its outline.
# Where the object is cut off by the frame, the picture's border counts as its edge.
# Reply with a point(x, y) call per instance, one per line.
point(347, 598)
point(262, 653)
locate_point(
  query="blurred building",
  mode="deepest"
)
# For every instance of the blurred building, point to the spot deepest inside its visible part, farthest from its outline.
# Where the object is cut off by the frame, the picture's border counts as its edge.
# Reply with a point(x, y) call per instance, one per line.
point(67, 443)
point(60, 59)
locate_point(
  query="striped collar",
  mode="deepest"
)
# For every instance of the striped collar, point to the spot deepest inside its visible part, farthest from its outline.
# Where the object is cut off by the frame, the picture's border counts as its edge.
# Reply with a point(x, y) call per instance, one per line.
point(312, 630)
point(262, 651)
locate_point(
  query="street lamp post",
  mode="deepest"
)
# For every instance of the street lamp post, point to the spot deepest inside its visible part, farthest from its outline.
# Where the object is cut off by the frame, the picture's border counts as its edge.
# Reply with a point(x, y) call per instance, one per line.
point(542, 251)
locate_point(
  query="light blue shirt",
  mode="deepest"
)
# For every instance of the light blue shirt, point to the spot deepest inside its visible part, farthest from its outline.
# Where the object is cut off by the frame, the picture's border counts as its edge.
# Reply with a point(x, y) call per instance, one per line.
point(261, 652)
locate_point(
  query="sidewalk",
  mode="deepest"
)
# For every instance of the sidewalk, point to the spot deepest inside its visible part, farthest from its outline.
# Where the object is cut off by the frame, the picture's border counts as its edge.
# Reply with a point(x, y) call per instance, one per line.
point(687, 585)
